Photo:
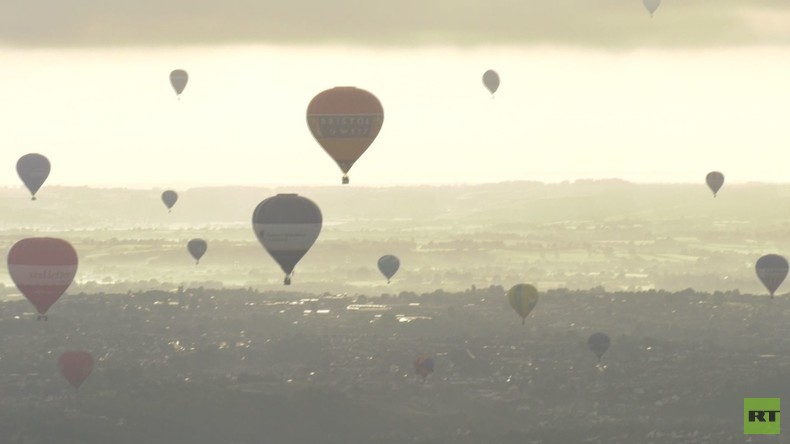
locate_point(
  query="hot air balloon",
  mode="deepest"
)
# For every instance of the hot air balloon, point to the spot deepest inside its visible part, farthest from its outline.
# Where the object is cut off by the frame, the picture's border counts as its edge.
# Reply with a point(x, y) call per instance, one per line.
point(197, 248)
point(523, 298)
point(345, 121)
point(75, 366)
point(33, 169)
point(169, 197)
point(651, 5)
point(598, 343)
point(388, 266)
point(42, 268)
point(772, 271)
point(179, 79)
point(287, 225)
point(714, 180)
point(423, 365)
point(491, 81)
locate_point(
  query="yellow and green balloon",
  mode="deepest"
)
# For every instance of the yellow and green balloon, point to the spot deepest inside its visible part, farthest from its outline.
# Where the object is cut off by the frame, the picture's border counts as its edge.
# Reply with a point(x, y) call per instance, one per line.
point(523, 298)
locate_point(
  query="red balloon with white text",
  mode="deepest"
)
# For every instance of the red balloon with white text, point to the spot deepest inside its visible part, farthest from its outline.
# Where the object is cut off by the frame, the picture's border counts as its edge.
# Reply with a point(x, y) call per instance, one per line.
point(42, 268)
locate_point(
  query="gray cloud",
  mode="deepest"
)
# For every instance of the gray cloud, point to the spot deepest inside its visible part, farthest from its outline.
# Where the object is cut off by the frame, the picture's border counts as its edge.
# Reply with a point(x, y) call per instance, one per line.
point(598, 23)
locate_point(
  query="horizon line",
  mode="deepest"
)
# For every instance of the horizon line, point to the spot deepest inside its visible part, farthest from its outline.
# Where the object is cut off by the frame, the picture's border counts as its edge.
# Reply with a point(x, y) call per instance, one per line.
point(195, 185)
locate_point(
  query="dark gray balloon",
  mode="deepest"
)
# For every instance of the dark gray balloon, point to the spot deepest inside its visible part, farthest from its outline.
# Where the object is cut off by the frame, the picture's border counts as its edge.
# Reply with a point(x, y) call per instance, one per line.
point(598, 343)
point(169, 197)
point(651, 5)
point(197, 248)
point(491, 80)
point(772, 271)
point(179, 79)
point(287, 225)
point(715, 180)
point(33, 169)
point(388, 265)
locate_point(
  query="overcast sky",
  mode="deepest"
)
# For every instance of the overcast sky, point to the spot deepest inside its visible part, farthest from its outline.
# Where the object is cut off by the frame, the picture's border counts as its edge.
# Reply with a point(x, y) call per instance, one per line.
point(590, 89)
point(607, 23)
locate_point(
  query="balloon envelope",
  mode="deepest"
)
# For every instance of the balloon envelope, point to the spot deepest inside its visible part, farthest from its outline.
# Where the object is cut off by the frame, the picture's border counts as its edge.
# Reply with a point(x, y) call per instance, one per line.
point(771, 270)
point(197, 248)
point(715, 180)
point(491, 80)
point(598, 343)
point(287, 225)
point(33, 169)
point(169, 197)
point(179, 79)
point(388, 266)
point(523, 298)
point(345, 121)
point(42, 268)
point(75, 366)
point(651, 5)
point(423, 365)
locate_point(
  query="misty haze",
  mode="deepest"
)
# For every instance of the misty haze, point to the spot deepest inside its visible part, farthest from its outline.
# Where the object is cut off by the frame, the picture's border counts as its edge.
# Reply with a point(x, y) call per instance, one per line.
point(337, 222)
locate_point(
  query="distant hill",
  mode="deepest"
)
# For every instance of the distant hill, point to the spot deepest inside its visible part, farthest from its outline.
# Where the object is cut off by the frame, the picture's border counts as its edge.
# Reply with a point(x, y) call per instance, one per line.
point(502, 203)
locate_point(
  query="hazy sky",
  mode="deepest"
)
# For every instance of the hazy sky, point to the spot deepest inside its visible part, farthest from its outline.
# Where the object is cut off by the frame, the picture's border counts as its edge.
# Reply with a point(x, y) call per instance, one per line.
point(591, 89)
